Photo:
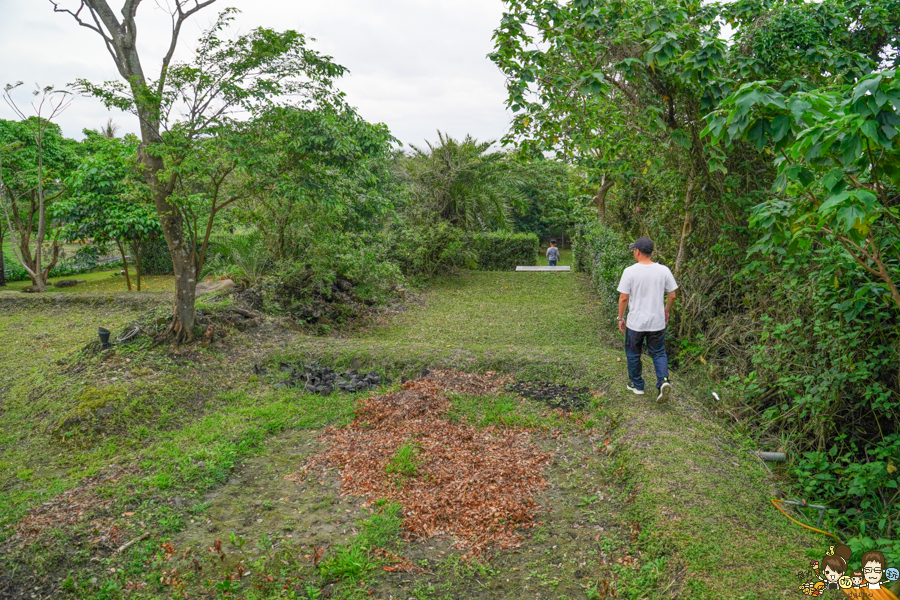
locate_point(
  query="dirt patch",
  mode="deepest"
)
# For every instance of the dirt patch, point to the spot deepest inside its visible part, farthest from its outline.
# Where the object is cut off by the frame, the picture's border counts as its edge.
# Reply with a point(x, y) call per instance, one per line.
point(476, 485)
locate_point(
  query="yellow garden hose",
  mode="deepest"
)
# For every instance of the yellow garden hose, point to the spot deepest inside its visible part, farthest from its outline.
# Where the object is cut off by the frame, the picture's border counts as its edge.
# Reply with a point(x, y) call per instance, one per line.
point(775, 502)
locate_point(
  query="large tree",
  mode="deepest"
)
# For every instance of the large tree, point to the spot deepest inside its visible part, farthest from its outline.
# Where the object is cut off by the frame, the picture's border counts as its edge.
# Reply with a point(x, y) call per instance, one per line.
point(306, 172)
point(34, 157)
point(185, 103)
point(106, 201)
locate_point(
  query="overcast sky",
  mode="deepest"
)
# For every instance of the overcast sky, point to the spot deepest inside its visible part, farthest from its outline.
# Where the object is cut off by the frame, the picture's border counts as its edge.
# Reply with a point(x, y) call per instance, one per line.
point(416, 65)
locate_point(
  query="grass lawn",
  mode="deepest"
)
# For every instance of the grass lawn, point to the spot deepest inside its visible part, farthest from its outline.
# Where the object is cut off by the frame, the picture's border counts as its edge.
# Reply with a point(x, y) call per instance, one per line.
point(184, 453)
point(104, 282)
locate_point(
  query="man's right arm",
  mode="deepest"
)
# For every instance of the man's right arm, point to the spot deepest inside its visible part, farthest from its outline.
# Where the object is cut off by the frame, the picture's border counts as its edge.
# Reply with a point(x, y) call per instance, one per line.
point(623, 304)
point(670, 301)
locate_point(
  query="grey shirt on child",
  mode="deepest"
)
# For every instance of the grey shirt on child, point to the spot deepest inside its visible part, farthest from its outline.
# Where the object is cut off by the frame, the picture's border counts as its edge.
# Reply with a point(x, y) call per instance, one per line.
point(553, 253)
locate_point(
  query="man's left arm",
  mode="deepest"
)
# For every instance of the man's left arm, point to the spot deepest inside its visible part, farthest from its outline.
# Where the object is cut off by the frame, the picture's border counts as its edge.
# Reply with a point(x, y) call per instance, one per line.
point(623, 304)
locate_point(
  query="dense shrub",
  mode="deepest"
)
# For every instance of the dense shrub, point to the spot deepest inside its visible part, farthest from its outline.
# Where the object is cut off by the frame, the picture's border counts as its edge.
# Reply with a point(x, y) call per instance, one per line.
point(429, 249)
point(337, 278)
point(155, 257)
point(823, 375)
point(241, 256)
point(14, 271)
point(601, 253)
point(503, 251)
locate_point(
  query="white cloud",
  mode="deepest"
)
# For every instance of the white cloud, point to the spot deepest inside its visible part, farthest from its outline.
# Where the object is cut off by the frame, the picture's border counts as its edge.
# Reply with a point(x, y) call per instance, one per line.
point(417, 65)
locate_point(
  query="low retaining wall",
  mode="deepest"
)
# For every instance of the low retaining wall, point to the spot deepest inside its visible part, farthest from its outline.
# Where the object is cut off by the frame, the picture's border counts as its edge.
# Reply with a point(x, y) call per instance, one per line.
point(130, 299)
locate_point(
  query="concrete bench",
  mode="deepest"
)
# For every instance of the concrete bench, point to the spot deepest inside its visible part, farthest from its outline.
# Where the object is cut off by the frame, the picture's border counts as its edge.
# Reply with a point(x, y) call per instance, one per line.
point(560, 269)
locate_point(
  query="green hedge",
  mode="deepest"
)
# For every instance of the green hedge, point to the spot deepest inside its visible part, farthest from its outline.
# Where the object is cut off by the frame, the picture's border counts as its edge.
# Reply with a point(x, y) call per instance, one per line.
point(603, 254)
point(502, 251)
point(155, 257)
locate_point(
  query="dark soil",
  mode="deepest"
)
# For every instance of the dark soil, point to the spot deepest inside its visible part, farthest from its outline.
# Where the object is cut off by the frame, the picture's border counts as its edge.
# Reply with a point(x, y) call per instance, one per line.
point(317, 379)
point(551, 394)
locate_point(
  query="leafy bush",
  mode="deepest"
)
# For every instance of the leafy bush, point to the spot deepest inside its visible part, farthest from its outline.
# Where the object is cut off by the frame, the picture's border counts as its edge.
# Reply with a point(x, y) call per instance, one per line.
point(823, 351)
point(429, 249)
point(14, 271)
point(155, 257)
point(601, 253)
point(339, 275)
point(503, 251)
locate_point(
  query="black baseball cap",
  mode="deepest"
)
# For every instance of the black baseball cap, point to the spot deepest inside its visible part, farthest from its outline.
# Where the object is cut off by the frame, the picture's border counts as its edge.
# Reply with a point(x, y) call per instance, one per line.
point(643, 244)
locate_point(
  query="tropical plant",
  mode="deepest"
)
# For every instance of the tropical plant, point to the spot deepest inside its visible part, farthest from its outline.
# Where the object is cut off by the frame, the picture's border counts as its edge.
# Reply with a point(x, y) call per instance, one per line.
point(464, 183)
point(242, 256)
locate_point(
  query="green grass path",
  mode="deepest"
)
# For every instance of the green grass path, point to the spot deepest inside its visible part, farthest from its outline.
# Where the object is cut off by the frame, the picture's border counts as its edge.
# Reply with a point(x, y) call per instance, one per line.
point(697, 497)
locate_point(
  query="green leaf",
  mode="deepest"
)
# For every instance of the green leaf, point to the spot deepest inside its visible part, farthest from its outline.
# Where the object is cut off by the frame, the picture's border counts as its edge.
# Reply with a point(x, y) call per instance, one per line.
point(870, 129)
point(757, 133)
point(865, 86)
point(781, 125)
point(834, 201)
point(798, 106)
point(849, 215)
point(832, 179)
point(851, 148)
point(681, 139)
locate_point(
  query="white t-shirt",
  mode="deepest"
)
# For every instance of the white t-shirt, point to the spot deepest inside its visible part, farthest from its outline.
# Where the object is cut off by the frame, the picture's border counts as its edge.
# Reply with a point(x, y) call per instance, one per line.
point(647, 286)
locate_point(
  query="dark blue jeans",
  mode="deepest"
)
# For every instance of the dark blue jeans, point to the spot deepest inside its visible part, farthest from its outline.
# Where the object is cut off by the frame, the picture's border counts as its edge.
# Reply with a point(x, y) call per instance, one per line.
point(656, 348)
point(552, 263)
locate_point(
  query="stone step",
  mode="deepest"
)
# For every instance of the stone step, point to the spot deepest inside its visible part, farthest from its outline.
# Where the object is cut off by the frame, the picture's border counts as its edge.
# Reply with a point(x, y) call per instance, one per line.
point(560, 269)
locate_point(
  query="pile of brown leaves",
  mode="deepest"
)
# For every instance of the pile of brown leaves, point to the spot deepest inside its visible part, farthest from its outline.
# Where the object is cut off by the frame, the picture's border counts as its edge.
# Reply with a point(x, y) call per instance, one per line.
point(77, 505)
point(476, 485)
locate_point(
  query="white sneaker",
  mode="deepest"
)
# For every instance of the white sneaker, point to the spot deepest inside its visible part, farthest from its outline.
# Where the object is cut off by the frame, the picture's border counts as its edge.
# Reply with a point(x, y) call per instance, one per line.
point(665, 392)
point(635, 390)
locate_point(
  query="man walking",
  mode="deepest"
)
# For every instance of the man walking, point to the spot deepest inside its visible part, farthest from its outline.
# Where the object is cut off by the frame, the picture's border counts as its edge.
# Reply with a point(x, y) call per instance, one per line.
point(642, 289)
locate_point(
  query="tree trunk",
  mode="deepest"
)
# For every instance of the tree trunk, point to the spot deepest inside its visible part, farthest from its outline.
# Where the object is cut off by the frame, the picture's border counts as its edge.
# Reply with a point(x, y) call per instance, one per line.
point(686, 226)
point(121, 41)
point(2, 262)
point(183, 255)
point(600, 198)
point(185, 294)
point(138, 264)
point(124, 264)
point(54, 260)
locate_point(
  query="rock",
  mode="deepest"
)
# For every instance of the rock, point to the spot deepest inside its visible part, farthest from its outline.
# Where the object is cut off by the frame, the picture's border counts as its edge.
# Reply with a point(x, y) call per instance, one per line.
point(315, 379)
point(71, 422)
point(211, 287)
point(65, 283)
point(249, 298)
point(105, 411)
